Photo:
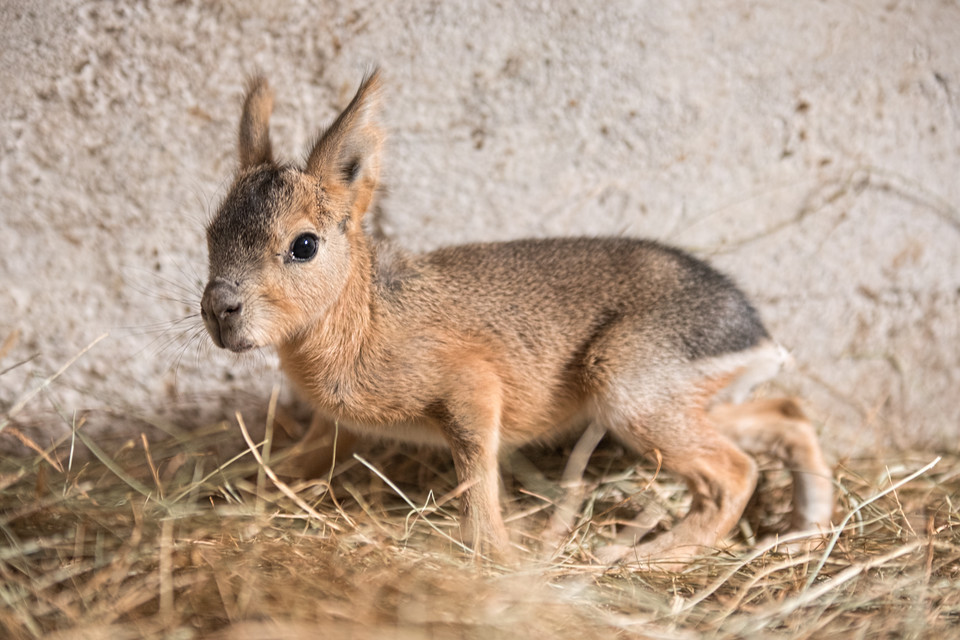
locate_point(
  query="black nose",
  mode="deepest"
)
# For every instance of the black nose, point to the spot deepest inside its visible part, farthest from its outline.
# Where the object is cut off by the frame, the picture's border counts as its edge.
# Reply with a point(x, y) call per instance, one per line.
point(222, 311)
point(221, 302)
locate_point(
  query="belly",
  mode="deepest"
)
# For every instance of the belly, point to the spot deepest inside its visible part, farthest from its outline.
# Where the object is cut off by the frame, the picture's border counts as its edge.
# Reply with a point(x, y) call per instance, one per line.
point(419, 432)
point(515, 431)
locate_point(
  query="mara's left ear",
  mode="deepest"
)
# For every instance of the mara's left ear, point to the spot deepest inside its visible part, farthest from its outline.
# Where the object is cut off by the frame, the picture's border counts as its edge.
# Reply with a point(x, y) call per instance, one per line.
point(346, 158)
point(254, 143)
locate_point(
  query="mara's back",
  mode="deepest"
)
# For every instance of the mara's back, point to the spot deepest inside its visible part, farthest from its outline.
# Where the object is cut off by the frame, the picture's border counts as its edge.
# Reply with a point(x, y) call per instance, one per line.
point(541, 295)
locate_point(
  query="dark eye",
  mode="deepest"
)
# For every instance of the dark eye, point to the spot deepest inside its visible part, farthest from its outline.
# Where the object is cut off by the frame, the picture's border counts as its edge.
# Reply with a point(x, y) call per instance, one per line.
point(304, 247)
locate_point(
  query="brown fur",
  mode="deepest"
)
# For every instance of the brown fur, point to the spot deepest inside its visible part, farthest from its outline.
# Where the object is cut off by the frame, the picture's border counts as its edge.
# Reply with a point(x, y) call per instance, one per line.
point(486, 346)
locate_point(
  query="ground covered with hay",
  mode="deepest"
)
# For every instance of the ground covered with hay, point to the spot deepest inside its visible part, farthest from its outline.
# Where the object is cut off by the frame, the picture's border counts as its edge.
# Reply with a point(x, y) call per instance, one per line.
point(176, 539)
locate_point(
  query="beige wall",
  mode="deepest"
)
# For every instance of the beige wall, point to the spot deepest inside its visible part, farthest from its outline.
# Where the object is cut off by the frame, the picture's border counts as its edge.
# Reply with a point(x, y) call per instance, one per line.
point(811, 149)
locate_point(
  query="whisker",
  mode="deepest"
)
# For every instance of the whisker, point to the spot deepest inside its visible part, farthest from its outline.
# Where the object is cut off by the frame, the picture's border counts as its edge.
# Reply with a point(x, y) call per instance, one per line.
point(171, 289)
point(178, 361)
point(195, 338)
point(202, 345)
point(182, 339)
point(165, 333)
point(162, 327)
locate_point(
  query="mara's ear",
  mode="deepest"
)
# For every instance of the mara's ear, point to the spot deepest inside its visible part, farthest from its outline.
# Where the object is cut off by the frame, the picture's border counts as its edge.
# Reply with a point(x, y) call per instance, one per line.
point(255, 124)
point(347, 155)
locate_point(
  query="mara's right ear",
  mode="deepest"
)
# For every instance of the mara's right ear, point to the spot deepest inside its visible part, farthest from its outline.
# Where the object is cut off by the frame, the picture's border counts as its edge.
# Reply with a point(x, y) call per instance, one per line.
point(346, 158)
point(254, 140)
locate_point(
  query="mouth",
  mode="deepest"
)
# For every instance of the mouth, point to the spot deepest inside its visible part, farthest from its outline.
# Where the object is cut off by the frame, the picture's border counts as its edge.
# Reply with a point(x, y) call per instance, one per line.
point(228, 339)
point(233, 342)
point(243, 347)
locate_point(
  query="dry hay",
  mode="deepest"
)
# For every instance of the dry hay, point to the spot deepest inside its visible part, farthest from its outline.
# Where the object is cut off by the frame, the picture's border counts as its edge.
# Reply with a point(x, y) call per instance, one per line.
point(177, 539)
point(166, 540)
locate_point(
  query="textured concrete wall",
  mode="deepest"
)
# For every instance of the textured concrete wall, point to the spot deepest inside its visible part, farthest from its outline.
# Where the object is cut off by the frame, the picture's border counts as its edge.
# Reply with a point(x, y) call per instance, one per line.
point(810, 149)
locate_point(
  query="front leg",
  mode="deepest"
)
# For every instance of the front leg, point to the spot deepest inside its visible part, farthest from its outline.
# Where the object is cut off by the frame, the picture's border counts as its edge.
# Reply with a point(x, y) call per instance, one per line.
point(471, 427)
point(318, 451)
point(475, 459)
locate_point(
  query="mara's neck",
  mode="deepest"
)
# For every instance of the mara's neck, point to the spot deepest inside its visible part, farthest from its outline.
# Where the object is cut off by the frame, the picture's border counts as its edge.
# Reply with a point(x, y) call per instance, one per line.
point(326, 354)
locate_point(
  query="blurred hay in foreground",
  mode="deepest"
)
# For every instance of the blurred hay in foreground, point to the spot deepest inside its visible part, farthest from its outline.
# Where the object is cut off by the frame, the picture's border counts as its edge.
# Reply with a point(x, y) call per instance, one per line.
point(167, 539)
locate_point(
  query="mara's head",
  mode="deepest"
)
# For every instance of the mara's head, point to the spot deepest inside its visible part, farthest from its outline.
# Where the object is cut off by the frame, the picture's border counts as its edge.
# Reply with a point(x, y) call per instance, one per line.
point(281, 243)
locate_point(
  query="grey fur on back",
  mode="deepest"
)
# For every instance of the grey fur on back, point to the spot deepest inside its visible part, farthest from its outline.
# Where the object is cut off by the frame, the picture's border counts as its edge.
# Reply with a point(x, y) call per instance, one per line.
point(582, 285)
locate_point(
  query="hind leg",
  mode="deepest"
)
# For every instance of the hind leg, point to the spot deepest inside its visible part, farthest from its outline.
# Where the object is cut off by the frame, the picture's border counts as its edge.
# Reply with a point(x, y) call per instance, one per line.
point(779, 428)
point(720, 476)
